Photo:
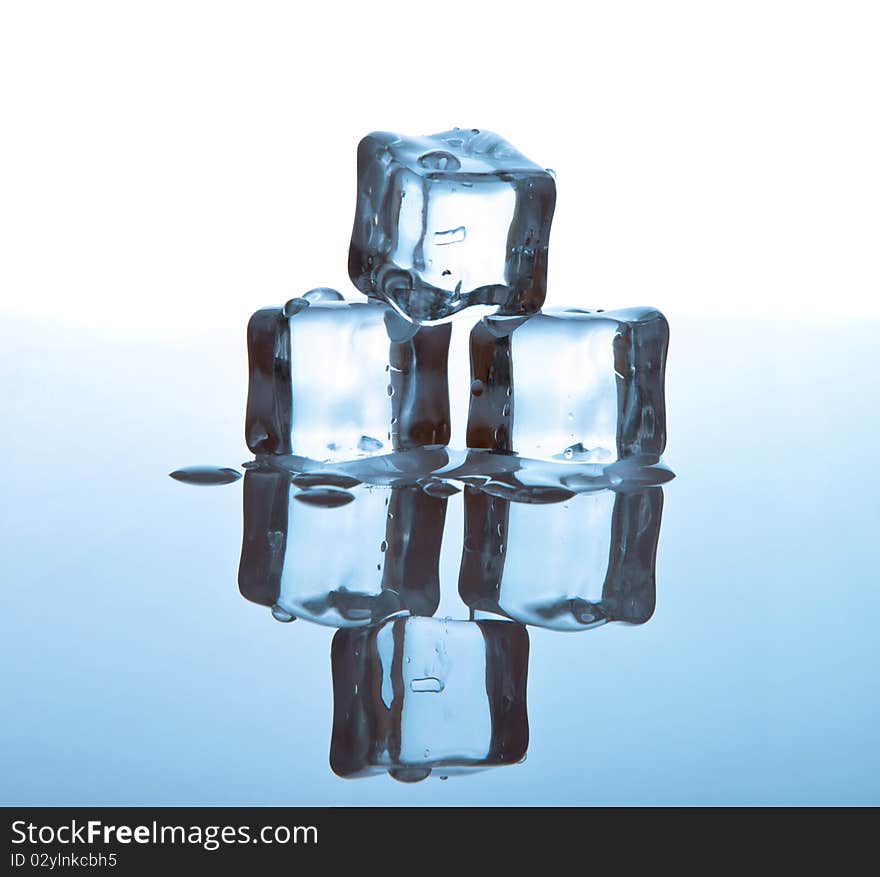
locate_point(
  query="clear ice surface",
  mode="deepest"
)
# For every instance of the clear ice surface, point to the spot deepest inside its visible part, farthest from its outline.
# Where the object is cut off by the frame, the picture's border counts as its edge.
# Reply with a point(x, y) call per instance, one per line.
point(450, 220)
point(421, 694)
point(570, 385)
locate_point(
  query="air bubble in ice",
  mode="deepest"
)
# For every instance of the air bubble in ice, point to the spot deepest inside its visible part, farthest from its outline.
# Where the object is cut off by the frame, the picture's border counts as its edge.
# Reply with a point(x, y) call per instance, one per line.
point(427, 683)
point(451, 236)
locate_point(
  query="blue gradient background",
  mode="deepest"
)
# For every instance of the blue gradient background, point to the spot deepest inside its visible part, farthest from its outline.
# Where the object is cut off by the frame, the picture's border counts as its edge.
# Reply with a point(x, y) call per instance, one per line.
point(134, 673)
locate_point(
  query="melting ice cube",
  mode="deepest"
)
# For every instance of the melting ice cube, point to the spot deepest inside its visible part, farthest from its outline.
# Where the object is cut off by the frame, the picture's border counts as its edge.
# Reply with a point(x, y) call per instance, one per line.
point(417, 694)
point(450, 220)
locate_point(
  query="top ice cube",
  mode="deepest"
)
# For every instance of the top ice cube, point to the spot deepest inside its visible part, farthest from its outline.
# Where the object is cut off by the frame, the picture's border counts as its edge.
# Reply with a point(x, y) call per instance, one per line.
point(450, 220)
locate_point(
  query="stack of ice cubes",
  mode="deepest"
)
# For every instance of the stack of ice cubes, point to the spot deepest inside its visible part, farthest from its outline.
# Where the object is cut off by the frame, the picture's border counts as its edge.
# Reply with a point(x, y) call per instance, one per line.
point(443, 224)
point(449, 394)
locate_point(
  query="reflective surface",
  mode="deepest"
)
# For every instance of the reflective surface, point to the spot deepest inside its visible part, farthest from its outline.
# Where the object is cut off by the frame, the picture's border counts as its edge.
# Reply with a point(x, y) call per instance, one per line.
point(134, 672)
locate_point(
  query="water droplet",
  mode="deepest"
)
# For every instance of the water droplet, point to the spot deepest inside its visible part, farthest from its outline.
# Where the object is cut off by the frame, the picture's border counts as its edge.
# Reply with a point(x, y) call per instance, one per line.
point(439, 160)
point(390, 390)
point(205, 476)
point(586, 613)
point(535, 494)
point(505, 411)
point(477, 387)
point(369, 444)
point(279, 613)
point(383, 546)
point(323, 293)
point(409, 774)
point(441, 489)
point(323, 479)
point(294, 306)
point(328, 497)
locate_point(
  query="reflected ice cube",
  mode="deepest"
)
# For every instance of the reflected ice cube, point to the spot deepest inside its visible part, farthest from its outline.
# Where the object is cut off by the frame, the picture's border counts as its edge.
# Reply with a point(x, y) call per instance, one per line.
point(417, 694)
point(344, 380)
point(570, 385)
point(340, 555)
point(450, 220)
point(567, 565)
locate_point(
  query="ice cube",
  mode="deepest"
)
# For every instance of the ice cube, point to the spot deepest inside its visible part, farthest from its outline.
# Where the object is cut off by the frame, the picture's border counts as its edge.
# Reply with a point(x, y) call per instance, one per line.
point(422, 694)
point(339, 553)
point(570, 385)
point(568, 565)
point(334, 380)
point(450, 220)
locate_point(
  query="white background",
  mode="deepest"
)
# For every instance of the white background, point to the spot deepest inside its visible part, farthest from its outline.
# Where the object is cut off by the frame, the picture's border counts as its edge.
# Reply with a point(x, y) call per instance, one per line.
point(174, 166)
